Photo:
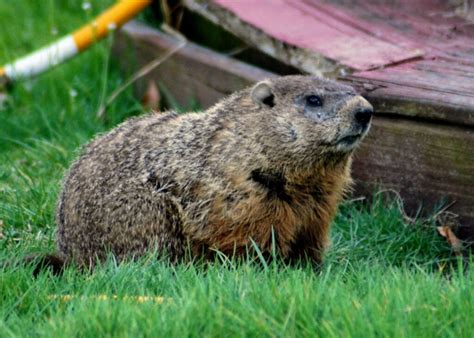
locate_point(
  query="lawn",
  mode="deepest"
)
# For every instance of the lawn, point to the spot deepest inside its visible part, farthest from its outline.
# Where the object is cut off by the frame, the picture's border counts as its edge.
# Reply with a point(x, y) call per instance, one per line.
point(382, 277)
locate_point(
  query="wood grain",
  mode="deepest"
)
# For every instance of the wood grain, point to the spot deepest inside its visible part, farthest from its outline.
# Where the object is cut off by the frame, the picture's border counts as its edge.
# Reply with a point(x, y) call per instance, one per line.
point(194, 72)
point(436, 90)
point(429, 164)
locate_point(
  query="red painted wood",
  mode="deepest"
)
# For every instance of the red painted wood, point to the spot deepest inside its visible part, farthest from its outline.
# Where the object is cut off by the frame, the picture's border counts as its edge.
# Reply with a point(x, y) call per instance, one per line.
point(303, 25)
point(362, 34)
point(429, 25)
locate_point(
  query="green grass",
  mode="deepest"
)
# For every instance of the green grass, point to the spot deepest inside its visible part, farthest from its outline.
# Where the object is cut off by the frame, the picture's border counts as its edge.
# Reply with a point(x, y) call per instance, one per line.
point(381, 278)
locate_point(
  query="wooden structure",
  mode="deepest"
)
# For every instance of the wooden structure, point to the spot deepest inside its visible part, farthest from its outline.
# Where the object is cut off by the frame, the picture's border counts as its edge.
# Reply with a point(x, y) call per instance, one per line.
point(413, 60)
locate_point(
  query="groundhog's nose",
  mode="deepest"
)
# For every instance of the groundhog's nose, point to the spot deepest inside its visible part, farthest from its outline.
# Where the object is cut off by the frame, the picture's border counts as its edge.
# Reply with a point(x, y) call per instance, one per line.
point(363, 115)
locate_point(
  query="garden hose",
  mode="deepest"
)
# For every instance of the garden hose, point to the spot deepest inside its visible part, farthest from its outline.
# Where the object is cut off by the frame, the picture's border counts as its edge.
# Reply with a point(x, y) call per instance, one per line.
point(72, 44)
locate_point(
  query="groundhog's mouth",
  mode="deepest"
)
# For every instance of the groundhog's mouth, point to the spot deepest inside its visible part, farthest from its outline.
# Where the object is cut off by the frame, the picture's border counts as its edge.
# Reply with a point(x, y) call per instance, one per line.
point(349, 140)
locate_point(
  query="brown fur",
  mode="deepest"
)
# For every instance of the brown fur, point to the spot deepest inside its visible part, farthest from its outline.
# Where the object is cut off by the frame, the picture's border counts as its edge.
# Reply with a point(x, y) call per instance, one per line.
point(258, 161)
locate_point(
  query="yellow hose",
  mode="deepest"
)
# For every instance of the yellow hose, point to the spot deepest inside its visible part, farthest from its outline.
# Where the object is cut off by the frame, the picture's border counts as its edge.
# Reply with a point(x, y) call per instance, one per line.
point(72, 44)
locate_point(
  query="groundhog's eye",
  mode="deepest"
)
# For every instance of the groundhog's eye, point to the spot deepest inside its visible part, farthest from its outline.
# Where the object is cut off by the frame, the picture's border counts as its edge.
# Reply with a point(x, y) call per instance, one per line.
point(314, 101)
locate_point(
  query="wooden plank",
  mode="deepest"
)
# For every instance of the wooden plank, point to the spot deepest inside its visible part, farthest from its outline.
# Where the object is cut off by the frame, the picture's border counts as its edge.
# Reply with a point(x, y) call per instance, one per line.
point(194, 72)
point(329, 44)
point(334, 39)
point(435, 90)
point(427, 163)
point(301, 58)
point(431, 25)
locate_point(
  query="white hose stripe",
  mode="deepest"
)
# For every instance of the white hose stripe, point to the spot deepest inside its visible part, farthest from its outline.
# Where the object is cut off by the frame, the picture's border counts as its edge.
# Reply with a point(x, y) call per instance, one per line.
point(42, 59)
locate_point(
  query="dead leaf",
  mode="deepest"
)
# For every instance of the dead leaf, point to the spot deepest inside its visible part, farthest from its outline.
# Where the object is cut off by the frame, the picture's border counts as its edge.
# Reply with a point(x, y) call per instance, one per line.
point(152, 98)
point(453, 241)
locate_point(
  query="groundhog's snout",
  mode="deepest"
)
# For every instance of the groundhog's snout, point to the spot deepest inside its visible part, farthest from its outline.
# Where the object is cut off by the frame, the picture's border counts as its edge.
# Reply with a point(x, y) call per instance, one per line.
point(357, 114)
point(361, 111)
point(363, 116)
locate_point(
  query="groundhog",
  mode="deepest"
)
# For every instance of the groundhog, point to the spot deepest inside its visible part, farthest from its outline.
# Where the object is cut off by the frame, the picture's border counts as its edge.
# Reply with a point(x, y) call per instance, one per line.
point(266, 166)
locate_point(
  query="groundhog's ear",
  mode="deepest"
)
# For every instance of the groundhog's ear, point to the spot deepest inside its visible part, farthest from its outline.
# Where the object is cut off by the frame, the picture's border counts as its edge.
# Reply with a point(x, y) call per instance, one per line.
point(262, 94)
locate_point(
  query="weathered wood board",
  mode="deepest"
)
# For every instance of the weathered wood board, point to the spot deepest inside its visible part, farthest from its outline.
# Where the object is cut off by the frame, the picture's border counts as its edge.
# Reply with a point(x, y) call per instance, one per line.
point(441, 91)
point(428, 164)
point(289, 22)
point(193, 72)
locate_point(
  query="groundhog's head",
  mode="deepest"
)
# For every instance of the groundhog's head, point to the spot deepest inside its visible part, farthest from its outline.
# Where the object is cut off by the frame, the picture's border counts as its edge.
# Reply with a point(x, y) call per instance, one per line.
point(308, 110)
